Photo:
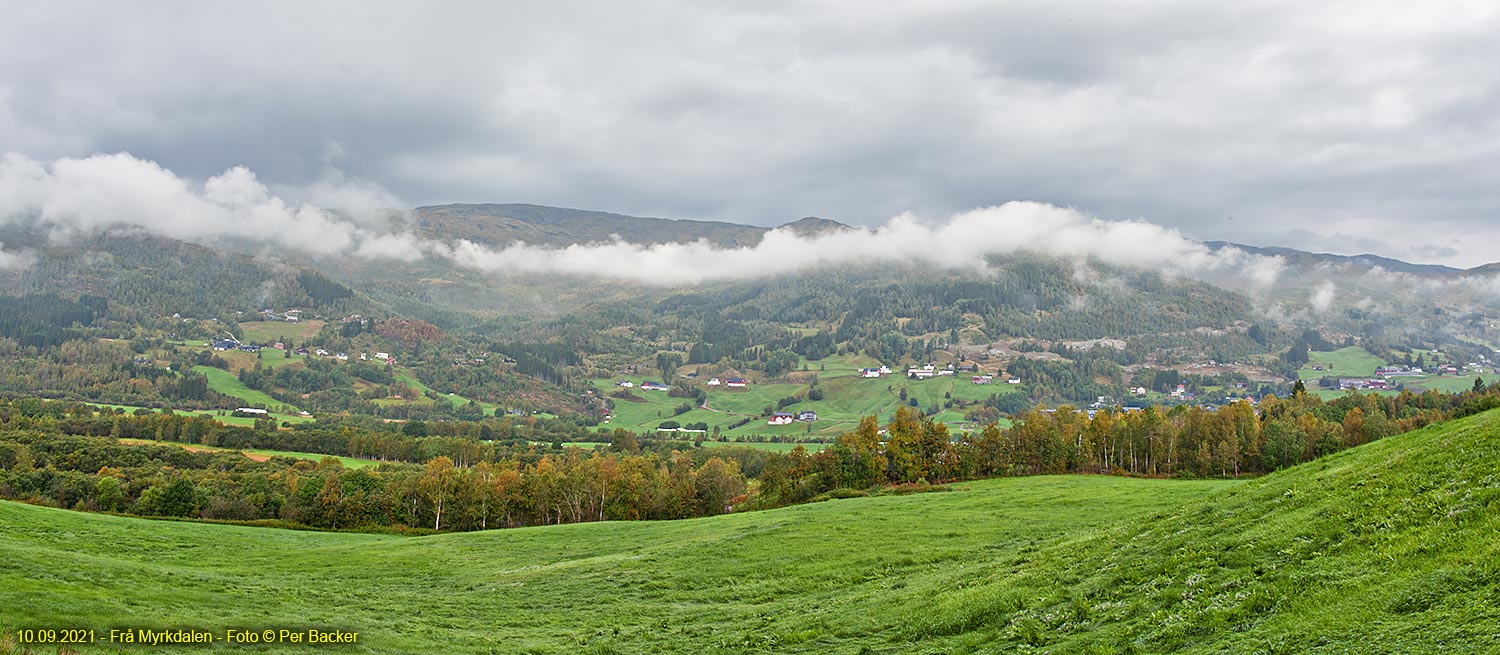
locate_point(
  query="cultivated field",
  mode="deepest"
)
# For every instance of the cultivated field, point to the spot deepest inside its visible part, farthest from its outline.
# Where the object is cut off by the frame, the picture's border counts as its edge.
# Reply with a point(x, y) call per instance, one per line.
point(1388, 547)
point(846, 399)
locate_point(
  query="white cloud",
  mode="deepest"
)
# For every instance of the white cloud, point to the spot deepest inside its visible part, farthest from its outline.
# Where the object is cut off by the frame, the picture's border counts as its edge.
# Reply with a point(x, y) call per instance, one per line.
point(962, 243)
point(9, 260)
point(118, 191)
point(1322, 297)
point(1326, 126)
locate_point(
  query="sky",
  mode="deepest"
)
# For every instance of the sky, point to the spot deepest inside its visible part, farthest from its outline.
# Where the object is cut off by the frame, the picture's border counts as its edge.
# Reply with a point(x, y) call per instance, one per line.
point(1344, 127)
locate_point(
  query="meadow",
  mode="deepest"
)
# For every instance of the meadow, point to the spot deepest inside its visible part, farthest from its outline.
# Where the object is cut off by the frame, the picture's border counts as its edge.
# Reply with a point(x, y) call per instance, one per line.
point(347, 462)
point(1385, 548)
point(847, 398)
point(803, 574)
point(1355, 361)
point(268, 332)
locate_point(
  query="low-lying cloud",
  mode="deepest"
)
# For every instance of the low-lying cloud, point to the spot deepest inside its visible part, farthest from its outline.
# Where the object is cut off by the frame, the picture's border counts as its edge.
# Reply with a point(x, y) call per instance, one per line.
point(964, 242)
point(70, 197)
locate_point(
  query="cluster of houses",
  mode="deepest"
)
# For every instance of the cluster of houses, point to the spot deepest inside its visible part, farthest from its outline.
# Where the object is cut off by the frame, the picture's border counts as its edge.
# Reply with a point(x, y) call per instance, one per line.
point(782, 418)
point(731, 383)
point(927, 371)
point(230, 343)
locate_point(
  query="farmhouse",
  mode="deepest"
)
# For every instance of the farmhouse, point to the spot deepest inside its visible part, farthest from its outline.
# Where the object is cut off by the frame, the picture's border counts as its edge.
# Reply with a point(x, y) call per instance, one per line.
point(982, 379)
point(1013, 381)
point(807, 415)
point(651, 385)
point(713, 382)
point(382, 356)
point(921, 373)
point(736, 383)
point(869, 372)
point(625, 383)
point(781, 419)
point(226, 344)
point(250, 410)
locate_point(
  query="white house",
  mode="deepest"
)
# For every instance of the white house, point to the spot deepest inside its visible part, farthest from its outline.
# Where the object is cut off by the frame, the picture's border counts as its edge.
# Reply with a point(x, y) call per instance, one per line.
point(884, 369)
point(251, 410)
point(713, 382)
point(382, 356)
point(626, 383)
point(870, 372)
point(1013, 381)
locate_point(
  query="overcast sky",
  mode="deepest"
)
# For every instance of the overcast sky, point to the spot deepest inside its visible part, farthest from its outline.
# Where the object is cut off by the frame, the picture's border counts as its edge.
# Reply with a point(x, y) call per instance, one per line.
point(1359, 127)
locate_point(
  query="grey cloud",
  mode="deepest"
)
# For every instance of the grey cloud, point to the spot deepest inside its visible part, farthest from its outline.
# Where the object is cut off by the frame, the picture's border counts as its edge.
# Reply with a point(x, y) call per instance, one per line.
point(1337, 119)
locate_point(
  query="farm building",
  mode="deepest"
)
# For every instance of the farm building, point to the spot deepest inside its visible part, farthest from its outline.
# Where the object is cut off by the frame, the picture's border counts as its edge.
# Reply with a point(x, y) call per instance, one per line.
point(713, 382)
point(869, 372)
point(982, 379)
point(1013, 381)
point(736, 383)
point(781, 419)
point(625, 383)
point(807, 415)
point(650, 385)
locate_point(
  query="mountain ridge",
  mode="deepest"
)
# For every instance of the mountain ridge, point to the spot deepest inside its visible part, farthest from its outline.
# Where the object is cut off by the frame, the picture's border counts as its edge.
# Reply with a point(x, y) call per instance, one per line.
point(501, 223)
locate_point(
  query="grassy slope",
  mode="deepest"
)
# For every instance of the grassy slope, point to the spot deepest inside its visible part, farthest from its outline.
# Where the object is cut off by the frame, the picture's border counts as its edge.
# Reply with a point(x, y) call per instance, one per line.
point(831, 575)
point(1386, 548)
point(847, 399)
point(348, 462)
point(226, 383)
point(1356, 362)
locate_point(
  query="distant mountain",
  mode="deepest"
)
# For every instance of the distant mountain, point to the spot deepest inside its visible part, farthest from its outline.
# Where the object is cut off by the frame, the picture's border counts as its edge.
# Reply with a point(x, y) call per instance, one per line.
point(1303, 258)
point(812, 226)
point(499, 224)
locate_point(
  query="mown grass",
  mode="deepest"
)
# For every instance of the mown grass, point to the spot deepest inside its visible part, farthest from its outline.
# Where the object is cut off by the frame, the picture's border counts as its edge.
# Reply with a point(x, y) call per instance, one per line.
point(811, 577)
point(270, 331)
point(1351, 362)
point(348, 462)
point(226, 383)
point(1386, 548)
point(847, 398)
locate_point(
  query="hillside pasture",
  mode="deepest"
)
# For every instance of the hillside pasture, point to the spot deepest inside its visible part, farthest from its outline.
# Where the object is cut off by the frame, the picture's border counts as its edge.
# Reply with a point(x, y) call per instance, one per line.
point(268, 332)
point(829, 576)
point(1351, 362)
point(226, 383)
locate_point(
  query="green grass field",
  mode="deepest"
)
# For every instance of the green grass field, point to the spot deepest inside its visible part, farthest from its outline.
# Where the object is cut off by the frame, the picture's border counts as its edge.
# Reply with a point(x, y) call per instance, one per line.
point(846, 399)
point(226, 383)
point(1350, 362)
point(612, 587)
point(1356, 362)
point(226, 419)
point(1385, 548)
point(348, 462)
point(269, 331)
